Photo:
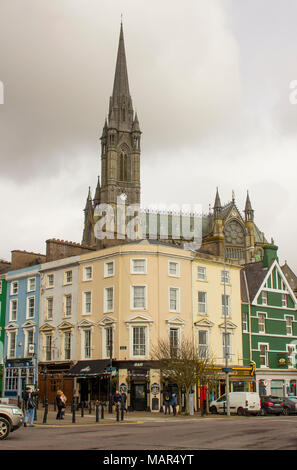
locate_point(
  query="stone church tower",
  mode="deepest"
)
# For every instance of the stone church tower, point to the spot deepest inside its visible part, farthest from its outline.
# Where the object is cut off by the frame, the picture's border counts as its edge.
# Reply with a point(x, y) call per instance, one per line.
point(120, 151)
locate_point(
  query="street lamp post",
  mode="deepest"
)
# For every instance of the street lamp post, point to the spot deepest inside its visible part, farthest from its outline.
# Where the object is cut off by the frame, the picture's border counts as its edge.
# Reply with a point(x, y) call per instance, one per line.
point(226, 348)
point(110, 369)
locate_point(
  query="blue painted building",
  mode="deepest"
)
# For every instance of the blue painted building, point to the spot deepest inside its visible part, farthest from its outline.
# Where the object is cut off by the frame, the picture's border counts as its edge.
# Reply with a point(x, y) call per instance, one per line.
point(21, 330)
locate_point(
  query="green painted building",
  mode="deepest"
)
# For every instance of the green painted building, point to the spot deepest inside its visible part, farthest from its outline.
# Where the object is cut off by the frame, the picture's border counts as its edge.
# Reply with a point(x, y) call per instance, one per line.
point(269, 325)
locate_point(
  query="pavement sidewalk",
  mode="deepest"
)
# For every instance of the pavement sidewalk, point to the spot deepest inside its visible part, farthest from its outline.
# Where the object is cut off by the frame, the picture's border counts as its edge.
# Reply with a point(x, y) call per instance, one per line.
point(90, 419)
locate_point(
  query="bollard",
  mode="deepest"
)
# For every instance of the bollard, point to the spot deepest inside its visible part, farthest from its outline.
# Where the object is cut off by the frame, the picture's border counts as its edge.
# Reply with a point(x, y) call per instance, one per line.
point(102, 410)
point(122, 414)
point(117, 413)
point(73, 410)
point(97, 411)
point(90, 408)
point(82, 408)
point(36, 408)
point(55, 405)
point(45, 411)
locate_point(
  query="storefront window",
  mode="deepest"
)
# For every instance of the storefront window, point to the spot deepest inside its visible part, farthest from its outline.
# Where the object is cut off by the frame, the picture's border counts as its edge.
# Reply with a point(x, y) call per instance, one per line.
point(277, 388)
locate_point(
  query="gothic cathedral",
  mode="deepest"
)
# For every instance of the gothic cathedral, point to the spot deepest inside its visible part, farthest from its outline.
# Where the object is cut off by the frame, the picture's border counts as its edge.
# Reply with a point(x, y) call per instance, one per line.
point(225, 232)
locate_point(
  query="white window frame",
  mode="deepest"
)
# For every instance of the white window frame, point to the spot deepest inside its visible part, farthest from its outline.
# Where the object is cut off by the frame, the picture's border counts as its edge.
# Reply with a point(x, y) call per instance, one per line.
point(26, 348)
point(291, 318)
point(64, 345)
point(132, 268)
point(205, 346)
point(29, 289)
point(202, 303)
point(284, 301)
point(48, 277)
point(177, 271)
point(9, 355)
point(266, 355)
point(105, 300)
point(28, 316)
point(106, 274)
point(67, 282)
point(132, 297)
point(85, 270)
point(12, 290)
point(85, 331)
point(225, 276)
point(293, 353)
point(13, 301)
point(139, 356)
point(224, 307)
point(84, 302)
point(245, 322)
point(230, 346)
point(177, 290)
point(46, 349)
point(204, 278)
point(47, 309)
point(66, 296)
point(262, 314)
point(264, 297)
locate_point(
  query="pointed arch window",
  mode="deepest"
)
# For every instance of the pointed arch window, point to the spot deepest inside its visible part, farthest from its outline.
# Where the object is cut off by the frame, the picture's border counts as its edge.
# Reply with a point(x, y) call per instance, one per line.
point(123, 166)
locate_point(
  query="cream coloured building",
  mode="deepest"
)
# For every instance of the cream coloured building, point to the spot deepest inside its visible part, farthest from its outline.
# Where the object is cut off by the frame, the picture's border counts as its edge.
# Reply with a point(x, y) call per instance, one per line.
point(130, 295)
point(216, 291)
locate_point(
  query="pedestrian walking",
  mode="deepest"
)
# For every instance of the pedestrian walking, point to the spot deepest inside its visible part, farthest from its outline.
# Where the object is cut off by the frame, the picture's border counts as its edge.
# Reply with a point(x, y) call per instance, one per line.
point(30, 405)
point(60, 404)
point(173, 403)
point(166, 402)
point(64, 400)
point(117, 399)
point(124, 401)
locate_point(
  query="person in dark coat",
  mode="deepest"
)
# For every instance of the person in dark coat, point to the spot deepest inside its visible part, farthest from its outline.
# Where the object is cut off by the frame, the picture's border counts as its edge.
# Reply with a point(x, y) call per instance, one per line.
point(173, 403)
point(60, 404)
point(30, 404)
point(166, 402)
point(117, 399)
point(124, 401)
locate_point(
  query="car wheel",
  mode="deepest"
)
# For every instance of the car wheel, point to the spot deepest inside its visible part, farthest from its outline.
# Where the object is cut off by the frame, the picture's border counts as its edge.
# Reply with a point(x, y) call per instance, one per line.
point(240, 411)
point(286, 411)
point(213, 410)
point(4, 428)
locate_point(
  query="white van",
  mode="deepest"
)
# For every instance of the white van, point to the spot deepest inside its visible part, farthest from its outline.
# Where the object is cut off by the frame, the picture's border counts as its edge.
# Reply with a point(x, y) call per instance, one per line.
point(241, 403)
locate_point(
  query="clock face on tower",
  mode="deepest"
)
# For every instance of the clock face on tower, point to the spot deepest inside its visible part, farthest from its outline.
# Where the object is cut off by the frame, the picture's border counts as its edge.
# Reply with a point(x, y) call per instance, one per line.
point(234, 234)
point(123, 196)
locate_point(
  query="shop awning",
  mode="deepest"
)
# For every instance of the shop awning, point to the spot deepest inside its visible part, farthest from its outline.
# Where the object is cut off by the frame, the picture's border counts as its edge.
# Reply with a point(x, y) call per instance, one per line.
point(89, 368)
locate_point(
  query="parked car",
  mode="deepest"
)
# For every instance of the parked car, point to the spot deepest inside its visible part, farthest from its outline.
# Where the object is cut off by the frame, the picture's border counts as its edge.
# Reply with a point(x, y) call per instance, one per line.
point(271, 405)
point(11, 418)
point(241, 403)
point(290, 405)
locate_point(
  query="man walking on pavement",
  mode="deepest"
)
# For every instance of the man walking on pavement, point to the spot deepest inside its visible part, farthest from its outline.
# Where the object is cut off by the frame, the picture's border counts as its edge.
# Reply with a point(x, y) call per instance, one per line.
point(30, 404)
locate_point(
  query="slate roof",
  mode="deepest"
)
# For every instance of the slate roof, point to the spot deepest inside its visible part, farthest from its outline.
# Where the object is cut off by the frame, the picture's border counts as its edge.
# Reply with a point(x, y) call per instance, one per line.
point(255, 274)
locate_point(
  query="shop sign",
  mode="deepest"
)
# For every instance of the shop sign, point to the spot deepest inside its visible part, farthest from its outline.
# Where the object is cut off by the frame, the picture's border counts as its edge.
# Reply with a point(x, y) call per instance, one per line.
point(155, 389)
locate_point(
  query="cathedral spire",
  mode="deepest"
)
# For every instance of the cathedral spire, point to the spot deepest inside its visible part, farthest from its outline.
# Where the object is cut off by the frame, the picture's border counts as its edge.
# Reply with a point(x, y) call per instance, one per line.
point(217, 205)
point(120, 106)
point(249, 213)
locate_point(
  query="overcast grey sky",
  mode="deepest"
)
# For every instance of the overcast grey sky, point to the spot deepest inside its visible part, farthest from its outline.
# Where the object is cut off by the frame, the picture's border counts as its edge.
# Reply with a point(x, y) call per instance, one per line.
point(210, 83)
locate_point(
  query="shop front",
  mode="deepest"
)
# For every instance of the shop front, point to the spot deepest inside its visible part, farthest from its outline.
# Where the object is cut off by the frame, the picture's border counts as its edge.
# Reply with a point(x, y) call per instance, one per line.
point(53, 377)
point(277, 383)
point(93, 381)
point(241, 379)
point(141, 382)
point(17, 374)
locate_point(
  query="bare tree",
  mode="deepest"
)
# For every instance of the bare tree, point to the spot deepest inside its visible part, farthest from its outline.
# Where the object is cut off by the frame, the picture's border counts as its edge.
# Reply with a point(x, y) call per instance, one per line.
point(184, 365)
